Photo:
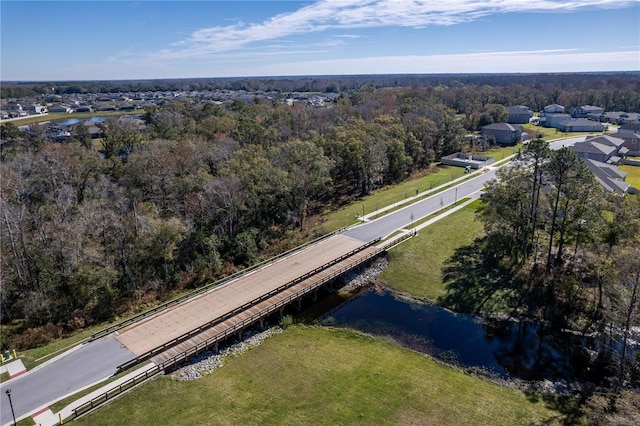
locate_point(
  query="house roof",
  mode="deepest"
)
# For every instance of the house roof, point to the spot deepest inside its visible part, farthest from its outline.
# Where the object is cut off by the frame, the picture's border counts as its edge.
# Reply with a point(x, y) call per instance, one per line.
point(503, 127)
point(554, 106)
point(606, 140)
point(579, 122)
point(591, 108)
point(610, 177)
point(631, 126)
point(593, 148)
point(518, 109)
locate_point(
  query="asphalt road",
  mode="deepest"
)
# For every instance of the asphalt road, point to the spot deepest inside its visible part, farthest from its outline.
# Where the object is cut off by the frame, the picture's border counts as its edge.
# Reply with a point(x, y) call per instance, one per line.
point(77, 369)
point(386, 225)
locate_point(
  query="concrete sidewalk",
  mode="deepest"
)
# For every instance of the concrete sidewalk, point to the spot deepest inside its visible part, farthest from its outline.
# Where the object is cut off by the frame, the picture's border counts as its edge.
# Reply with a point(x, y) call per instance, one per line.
point(68, 410)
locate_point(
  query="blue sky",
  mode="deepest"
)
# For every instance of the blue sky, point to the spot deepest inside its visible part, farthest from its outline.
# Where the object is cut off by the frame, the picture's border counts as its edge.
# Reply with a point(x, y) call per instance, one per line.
point(97, 40)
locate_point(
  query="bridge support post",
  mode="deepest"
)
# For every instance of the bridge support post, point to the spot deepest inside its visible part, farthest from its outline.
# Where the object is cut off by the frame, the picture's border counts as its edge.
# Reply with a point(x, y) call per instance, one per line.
point(314, 295)
point(299, 304)
point(281, 313)
point(262, 323)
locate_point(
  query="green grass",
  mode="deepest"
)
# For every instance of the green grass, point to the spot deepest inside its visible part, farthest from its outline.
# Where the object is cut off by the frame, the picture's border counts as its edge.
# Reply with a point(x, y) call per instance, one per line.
point(323, 376)
point(633, 175)
point(551, 133)
point(415, 266)
point(501, 152)
point(346, 215)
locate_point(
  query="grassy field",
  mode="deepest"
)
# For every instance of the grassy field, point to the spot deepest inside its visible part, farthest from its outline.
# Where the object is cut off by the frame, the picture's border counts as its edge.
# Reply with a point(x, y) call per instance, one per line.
point(320, 376)
point(633, 175)
point(551, 133)
point(415, 266)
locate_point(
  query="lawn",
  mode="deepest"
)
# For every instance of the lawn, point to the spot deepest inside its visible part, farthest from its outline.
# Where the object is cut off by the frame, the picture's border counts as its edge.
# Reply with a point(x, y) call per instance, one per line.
point(324, 376)
point(549, 134)
point(633, 175)
point(415, 266)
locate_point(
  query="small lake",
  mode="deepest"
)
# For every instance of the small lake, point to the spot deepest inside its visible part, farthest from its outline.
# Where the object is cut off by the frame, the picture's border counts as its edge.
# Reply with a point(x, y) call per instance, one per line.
point(507, 349)
point(96, 119)
point(72, 121)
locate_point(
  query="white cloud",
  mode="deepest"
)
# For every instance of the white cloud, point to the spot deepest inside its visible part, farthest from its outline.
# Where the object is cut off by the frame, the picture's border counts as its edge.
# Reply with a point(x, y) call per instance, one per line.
point(352, 14)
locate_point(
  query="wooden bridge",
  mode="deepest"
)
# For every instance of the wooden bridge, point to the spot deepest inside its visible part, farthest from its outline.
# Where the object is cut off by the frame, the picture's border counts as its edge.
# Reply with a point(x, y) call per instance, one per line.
point(183, 330)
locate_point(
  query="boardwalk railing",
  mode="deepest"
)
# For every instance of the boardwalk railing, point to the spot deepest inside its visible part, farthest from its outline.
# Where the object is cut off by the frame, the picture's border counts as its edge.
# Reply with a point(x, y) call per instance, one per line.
point(108, 330)
point(113, 392)
point(239, 309)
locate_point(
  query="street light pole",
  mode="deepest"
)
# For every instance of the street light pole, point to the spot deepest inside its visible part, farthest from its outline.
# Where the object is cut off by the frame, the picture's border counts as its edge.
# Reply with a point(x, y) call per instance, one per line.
point(8, 392)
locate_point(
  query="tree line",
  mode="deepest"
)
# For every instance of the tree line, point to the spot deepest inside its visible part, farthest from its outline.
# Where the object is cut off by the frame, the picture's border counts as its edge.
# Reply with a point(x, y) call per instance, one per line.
point(564, 252)
point(461, 92)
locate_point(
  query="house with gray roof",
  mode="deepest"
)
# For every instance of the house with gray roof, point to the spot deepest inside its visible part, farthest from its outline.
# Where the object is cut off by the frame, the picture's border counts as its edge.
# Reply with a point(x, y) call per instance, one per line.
point(594, 150)
point(580, 125)
point(631, 141)
point(609, 176)
point(585, 111)
point(552, 109)
point(519, 114)
point(553, 120)
point(503, 133)
point(620, 117)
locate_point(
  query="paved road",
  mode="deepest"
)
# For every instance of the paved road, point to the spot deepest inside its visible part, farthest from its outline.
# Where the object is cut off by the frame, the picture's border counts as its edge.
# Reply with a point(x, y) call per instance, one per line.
point(88, 364)
point(386, 225)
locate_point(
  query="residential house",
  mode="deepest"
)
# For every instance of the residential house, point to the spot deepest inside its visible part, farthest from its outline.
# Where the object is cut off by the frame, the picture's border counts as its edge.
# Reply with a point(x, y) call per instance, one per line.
point(519, 114)
point(604, 148)
point(580, 125)
point(552, 109)
point(83, 108)
point(631, 142)
point(586, 111)
point(629, 128)
point(60, 108)
point(594, 150)
point(619, 117)
point(609, 176)
point(36, 109)
point(503, 133)
point(553, 120)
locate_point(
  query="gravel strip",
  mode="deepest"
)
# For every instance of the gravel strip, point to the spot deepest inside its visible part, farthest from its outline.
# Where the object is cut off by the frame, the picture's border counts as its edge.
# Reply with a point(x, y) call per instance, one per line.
point(207, 361)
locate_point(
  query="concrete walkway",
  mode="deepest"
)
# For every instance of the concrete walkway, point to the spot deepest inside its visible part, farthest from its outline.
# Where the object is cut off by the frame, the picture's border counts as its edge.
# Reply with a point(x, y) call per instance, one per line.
point(14, 368)
point(68, 410)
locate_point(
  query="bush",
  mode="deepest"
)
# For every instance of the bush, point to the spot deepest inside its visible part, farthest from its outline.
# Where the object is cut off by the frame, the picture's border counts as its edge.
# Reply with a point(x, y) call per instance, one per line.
point(37, 336)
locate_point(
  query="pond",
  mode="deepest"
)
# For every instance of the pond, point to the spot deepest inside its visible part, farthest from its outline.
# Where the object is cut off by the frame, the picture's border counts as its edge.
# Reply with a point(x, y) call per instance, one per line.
point(72, 121)
point(507, 349)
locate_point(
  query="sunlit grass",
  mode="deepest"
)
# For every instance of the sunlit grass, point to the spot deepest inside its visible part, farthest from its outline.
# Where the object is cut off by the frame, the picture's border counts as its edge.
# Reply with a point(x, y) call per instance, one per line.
point(415, 266)
point(633, 175)
point(323, 376)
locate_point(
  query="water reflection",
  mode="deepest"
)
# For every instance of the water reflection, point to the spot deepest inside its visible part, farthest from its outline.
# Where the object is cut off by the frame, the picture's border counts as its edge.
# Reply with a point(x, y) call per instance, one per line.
point(72, 121)
point(505, 348)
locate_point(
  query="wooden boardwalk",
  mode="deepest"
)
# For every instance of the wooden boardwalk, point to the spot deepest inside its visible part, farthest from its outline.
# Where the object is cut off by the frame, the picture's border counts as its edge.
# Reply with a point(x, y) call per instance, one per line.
point(262, 309)
point(167, 326)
